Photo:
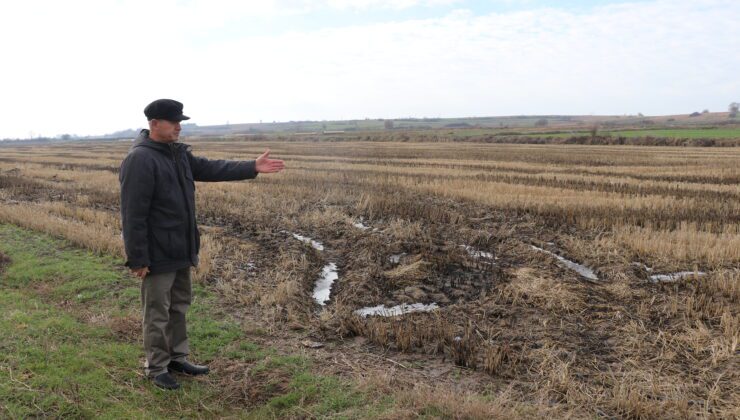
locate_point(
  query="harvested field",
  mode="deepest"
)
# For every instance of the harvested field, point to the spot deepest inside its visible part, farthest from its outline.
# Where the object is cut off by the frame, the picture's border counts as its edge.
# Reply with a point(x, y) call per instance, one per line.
point(470, 250)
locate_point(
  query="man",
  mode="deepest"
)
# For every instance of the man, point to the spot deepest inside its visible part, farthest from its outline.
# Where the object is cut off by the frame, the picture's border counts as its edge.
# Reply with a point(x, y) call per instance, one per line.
point(160, 233)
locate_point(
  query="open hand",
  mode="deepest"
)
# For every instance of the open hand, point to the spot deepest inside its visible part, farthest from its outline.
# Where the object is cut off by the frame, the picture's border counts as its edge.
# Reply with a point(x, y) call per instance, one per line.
point(266, 165)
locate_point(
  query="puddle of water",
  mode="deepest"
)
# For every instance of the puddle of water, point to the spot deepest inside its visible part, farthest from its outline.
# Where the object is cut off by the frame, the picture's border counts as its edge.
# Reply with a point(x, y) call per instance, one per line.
point(322, 289)
point(639, 264)
point(578, 268)
point(316, 244)
point(359, 225)
point(401, 309)
point(667, 278)
point(395, 258)
point(477, 253)
point(670, 277)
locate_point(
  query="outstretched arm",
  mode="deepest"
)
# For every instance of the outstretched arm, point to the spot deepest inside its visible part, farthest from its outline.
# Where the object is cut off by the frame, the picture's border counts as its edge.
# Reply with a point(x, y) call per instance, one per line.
point(232, 170)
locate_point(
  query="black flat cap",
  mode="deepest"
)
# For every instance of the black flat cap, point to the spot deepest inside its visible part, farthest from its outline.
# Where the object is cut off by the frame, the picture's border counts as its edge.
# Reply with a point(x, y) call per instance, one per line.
point(165, 109)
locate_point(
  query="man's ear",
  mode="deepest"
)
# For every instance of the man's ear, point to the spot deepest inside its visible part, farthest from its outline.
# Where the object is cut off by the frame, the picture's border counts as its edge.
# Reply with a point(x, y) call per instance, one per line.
point(153, 124)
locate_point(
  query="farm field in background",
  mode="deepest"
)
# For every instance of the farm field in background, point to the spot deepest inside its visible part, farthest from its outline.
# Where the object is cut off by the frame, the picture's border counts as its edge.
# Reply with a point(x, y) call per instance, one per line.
point(719, 126)
point(552, 268)
point(672, 133)
point(710, 133)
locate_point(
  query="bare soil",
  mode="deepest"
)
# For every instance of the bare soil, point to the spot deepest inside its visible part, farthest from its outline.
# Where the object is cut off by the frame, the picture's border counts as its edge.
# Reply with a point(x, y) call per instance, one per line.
point(519, 321)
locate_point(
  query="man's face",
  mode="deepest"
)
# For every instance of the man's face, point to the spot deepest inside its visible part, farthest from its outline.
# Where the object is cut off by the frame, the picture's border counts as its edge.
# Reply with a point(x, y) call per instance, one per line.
point(164, 131)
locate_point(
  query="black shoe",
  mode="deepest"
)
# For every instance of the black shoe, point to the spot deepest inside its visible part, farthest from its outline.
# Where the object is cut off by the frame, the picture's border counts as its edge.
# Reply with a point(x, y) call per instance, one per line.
point(188, 368)
point(165, 381)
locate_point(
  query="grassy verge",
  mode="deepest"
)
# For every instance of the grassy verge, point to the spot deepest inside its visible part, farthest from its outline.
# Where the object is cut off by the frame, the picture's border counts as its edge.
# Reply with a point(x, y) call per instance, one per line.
point(62, 354)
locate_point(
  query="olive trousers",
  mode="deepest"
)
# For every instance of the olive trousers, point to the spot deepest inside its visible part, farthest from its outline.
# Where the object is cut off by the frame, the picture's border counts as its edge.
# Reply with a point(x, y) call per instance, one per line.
point(165, 298)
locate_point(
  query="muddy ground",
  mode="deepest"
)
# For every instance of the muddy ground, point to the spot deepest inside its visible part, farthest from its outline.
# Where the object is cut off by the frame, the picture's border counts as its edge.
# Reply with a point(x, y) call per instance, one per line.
point(510, 317)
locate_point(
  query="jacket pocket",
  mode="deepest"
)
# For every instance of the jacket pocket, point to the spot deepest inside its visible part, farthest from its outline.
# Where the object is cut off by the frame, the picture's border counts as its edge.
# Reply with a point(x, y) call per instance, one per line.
point(169, 244)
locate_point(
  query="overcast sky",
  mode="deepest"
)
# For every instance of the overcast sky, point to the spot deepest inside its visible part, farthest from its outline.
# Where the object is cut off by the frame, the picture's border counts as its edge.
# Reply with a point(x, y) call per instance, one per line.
point(90, 67)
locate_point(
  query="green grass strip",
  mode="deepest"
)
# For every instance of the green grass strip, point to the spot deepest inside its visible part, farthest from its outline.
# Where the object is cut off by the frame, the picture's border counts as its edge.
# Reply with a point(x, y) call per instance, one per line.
point(55, 363)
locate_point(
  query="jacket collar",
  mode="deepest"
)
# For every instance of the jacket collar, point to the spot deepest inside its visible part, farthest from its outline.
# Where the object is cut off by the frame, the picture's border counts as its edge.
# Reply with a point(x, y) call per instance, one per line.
point(143, 140)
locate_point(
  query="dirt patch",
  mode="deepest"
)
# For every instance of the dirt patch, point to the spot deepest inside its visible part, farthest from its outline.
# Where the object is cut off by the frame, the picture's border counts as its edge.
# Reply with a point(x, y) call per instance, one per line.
point(126, 327)
point(243, 385)
point(4, 261)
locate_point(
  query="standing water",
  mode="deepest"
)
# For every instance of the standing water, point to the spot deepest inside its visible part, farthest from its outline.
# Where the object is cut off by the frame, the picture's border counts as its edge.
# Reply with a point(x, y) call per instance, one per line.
point(578, 268)
point(667, 278)
point(316, 244)
point(360, 225)
point(401, 309)
point(322, 289)
point(475, 253)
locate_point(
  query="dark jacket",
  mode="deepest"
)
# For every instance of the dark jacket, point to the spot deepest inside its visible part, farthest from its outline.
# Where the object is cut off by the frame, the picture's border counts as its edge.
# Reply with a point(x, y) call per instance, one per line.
point(158, 201)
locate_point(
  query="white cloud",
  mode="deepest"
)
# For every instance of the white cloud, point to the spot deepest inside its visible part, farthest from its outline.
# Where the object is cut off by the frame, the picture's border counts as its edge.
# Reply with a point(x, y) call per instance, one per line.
point(93, 70)
point(383, 4)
